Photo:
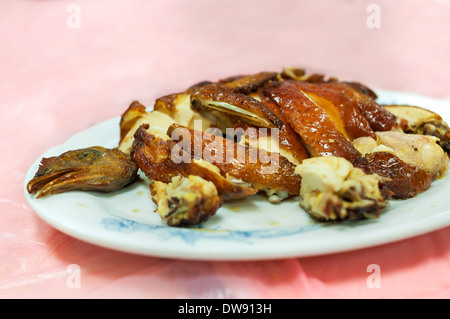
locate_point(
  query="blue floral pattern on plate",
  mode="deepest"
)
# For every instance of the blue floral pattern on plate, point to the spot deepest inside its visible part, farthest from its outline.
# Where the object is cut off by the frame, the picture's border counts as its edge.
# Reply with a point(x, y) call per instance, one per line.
point(191, 234)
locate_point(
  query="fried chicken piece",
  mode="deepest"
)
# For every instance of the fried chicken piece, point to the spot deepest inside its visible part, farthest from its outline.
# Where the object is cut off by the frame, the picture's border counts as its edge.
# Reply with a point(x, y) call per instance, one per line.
point(288, 143)
point(333, 189)
point(185, 200)
point(167, 110)
point(89, 169)
point(321, 135)
point(161, 160)
point(347, 96)
point(406, 180)
point(299, 74)
point(343, 110)
point(418, 150)
point(251, 110)
point(411, 161)
point(376, 115)
point(325, 137)
point(159, 122)
point(269, 172)
point(417, 120)
point(410, 117)
point(358, 159)
point(249, 83)
point(231, 107)
point(272, 141)
point(135, 111)
point(178, 107)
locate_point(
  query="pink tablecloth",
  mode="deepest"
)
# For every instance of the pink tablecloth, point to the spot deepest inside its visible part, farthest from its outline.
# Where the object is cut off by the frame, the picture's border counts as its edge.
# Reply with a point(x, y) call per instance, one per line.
point(68, 65)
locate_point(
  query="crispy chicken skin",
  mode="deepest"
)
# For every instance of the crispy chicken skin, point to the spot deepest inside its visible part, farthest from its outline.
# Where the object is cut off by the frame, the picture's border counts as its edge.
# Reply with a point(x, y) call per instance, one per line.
point(325, 134)
point(406, 180)
point(264, 170)
point(290, 144)
point(299, 74)
point(178, 107)
point(411, 161)
point(320, 134)
point(160, 160)
point(343, 110)
point(249, 83)
point(419, 150)
point(135, 111)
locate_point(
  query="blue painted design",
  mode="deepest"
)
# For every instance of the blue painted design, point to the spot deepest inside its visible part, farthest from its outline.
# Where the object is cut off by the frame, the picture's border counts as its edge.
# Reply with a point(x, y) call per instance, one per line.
point(192, 234)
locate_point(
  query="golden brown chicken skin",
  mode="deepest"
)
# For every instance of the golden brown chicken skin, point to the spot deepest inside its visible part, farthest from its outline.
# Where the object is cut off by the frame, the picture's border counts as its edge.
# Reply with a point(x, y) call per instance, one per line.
point(185, 200)
point(155, 158)
point(249, 83)
point(405, 180)
point(325, 134)
point(261, 169)
point(313, 125)
point(239, 107)
point(322, 136)
point(340, 107)
point(288, 139)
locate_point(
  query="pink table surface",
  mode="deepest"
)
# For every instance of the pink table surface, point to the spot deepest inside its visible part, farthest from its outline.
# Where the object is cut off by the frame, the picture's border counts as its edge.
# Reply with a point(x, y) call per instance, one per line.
point(56, 80)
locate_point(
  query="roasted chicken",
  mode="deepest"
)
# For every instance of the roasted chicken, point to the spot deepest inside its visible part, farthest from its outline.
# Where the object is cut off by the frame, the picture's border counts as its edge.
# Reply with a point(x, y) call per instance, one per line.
point(284, 134)
point(320, 121)
point(266, 171)
point(161, 160)
point(185, 200)
point(417, 120)
point(333, 189)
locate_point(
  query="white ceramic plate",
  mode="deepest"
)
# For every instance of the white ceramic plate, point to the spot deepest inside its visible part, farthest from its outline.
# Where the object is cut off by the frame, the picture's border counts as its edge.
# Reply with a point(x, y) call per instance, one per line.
point(247, 229)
